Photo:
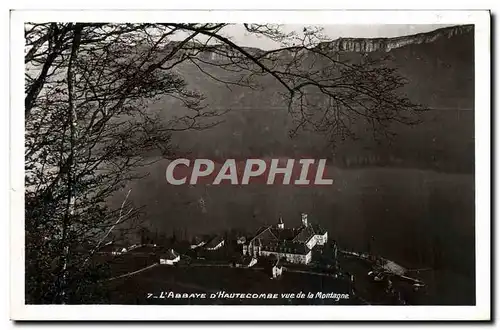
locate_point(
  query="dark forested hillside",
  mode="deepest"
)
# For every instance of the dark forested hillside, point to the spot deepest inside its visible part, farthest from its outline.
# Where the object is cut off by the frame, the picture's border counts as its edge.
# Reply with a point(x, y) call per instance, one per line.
point(439, 68)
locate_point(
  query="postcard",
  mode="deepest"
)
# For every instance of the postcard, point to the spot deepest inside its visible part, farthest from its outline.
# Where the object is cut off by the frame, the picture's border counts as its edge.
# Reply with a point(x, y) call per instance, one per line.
point(262, 165)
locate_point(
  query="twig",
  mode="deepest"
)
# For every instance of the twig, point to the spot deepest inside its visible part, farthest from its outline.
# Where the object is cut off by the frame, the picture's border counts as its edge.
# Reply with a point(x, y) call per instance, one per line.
point(120, 217)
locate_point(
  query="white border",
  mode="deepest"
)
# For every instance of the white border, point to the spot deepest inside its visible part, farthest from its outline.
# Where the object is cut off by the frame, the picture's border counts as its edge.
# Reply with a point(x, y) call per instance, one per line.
point(482, 310)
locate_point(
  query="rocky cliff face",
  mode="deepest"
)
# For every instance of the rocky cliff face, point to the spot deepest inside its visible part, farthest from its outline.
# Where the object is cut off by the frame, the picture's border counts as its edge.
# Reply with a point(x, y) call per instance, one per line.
point(387, 44)
point(357, 45)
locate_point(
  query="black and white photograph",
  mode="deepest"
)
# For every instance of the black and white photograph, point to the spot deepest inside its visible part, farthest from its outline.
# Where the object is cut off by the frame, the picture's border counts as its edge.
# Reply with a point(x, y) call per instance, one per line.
point(206, 162)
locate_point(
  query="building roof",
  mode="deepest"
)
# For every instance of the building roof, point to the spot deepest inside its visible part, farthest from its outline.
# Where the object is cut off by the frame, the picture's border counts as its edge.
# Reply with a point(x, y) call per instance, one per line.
point(265, 233)
point(318, 230)
point(169, 255)
point(197, 240)
point(300, 234)
point(214, 242)
point(304, 235)
point(284, 234)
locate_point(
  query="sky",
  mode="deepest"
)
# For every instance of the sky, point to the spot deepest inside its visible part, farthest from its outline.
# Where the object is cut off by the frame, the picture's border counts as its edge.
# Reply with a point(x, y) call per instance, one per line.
point(238, 33)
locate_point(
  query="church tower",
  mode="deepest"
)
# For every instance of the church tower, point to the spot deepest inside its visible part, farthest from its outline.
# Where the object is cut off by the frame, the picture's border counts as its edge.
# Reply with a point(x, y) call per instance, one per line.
point(281, 225)
point(304, 219)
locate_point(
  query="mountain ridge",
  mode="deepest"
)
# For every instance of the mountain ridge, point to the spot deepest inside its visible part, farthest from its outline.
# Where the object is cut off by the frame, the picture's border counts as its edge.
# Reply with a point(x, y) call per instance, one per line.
point(388, 43)
point(344, 44)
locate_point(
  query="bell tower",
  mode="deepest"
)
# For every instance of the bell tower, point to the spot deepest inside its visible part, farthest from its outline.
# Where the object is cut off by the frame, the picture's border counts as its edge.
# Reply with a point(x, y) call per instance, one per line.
point(304, 219)
point(281, 225)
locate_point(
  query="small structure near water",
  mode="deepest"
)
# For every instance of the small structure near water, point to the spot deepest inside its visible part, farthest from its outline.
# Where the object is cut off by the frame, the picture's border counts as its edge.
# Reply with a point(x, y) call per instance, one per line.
point(112, 248)
point(215, 243)
point(169, 258)
point(277, 269)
